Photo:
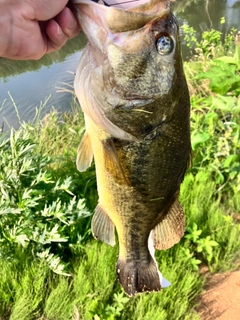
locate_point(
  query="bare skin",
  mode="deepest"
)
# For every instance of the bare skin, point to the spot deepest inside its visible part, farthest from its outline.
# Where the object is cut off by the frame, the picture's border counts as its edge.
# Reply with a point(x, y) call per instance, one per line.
point(31, 28)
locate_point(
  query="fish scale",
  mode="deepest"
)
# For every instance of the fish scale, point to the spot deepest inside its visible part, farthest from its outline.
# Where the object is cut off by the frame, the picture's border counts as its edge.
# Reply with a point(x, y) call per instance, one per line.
point(136, 108)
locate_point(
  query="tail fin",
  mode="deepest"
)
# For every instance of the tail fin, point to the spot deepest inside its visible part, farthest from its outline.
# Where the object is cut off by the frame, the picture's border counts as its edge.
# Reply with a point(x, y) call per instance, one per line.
point(142, 276)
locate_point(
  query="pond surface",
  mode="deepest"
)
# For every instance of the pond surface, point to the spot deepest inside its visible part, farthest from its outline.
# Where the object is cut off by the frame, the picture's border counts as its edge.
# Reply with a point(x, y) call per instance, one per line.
point(30, 83)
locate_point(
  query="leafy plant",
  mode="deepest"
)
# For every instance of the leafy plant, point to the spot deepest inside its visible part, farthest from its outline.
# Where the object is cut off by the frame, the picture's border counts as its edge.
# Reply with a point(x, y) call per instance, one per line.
point(192, 261)
point(190, 36)
point(215, 116)
point(204, 245)
point(38, 210)
point(224, 77)
point(212, 43)
point(113, 311)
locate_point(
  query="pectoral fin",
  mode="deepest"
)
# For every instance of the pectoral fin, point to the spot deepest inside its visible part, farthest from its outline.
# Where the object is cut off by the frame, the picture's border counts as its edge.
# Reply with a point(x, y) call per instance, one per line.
point(84, 153)
point(170, 230)
point(112, 163)
point(103, 227)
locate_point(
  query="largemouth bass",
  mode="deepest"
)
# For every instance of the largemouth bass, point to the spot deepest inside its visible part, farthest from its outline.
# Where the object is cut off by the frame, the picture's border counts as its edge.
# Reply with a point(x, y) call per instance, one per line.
point(131, 87)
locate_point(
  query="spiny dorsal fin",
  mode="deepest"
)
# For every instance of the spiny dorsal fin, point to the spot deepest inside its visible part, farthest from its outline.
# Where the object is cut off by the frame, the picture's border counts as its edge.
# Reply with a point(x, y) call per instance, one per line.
point(84, 153)
point(102, 226)
point(170, 230)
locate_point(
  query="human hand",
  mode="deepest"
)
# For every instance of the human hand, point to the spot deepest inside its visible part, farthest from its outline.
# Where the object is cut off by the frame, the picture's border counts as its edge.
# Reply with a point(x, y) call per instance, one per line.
point(31, 28)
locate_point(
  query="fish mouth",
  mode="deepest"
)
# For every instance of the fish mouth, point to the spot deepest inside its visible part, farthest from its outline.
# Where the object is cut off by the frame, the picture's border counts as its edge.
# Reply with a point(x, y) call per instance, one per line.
point(123, 19)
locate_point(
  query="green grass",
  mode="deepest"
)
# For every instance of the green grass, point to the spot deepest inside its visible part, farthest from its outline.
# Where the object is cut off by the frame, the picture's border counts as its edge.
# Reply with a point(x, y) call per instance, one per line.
point(31, 291)
point(52, 269)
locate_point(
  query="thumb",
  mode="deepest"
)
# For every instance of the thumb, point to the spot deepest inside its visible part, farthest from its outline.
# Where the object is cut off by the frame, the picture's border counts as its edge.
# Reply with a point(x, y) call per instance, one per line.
point(43, 10)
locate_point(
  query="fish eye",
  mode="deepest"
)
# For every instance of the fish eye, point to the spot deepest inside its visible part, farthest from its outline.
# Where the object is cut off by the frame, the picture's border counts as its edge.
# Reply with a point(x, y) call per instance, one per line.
point(164, 44)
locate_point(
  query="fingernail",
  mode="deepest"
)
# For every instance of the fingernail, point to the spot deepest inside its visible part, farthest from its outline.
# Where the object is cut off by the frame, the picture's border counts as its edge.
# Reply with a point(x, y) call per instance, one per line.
point(59, 30)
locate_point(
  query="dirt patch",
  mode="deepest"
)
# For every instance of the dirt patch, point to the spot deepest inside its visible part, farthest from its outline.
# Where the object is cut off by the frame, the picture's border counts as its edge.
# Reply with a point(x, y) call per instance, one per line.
point(221, 297)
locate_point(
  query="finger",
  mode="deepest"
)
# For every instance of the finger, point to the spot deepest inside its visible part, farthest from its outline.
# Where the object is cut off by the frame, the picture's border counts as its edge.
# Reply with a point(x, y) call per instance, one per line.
point(67, 22)
point(59, 30)
point(55, 37)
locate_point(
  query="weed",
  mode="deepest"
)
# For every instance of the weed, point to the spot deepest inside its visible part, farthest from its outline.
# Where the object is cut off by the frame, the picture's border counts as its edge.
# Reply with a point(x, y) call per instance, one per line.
point(38, 208)
point(203, 245)
point(212, 43)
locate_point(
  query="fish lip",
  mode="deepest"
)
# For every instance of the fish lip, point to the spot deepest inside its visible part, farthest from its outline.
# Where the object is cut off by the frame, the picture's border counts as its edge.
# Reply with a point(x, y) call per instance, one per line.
point(138, 20)
point(122, 20)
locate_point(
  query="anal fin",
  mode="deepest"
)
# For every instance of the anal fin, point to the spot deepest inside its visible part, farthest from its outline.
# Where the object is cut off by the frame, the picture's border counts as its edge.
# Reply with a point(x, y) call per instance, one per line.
point(102, 226)
point(84, 153)
point(170, 229)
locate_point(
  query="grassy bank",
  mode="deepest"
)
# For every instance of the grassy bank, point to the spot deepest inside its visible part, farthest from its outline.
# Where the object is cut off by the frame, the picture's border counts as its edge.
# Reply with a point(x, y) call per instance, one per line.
point(52, 269)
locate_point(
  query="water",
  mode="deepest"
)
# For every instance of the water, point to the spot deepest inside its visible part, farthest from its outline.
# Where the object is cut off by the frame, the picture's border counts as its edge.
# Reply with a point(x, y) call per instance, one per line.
point(29, 83)
point(206, 14)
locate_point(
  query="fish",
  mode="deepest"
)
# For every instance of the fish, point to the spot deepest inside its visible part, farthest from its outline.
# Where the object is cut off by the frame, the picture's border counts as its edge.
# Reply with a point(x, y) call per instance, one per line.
point(133, 93)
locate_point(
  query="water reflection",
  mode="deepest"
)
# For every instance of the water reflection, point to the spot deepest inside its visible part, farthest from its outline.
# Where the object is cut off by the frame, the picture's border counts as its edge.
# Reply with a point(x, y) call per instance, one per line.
point(206, 14)
point(30, 88)
point(31, 82)
point(233, 3)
